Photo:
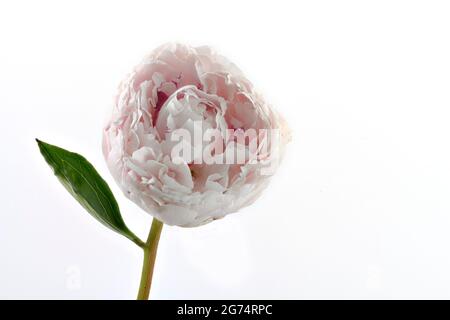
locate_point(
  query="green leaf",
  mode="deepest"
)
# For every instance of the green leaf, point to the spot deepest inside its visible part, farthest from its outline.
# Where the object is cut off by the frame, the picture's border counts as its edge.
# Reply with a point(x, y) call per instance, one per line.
point(84, 183)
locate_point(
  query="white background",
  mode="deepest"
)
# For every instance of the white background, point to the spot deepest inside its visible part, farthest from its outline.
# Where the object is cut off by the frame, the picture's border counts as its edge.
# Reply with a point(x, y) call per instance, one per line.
point(359, 209)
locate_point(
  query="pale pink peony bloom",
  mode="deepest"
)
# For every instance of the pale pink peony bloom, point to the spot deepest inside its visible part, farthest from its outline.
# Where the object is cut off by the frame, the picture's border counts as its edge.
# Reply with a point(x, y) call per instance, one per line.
point(181, 87)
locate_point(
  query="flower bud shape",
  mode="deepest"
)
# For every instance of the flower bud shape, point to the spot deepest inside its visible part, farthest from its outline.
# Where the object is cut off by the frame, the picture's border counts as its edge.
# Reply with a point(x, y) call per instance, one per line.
point(189, 140)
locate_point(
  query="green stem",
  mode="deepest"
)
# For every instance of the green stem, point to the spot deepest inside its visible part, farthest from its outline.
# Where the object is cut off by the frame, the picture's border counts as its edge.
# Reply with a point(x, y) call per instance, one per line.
point(136, 240)
point(150, 248)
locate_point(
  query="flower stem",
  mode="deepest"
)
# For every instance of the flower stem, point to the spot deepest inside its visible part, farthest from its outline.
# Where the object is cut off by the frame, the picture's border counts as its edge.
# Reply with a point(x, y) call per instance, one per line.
point(150, 248)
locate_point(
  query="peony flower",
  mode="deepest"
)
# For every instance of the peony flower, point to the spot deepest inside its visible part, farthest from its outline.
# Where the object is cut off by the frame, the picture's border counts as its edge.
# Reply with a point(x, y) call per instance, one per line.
point(176, 93)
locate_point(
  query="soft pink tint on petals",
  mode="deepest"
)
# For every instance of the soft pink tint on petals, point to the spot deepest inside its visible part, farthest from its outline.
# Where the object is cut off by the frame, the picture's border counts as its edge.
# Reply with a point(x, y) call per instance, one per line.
point(182, 87)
